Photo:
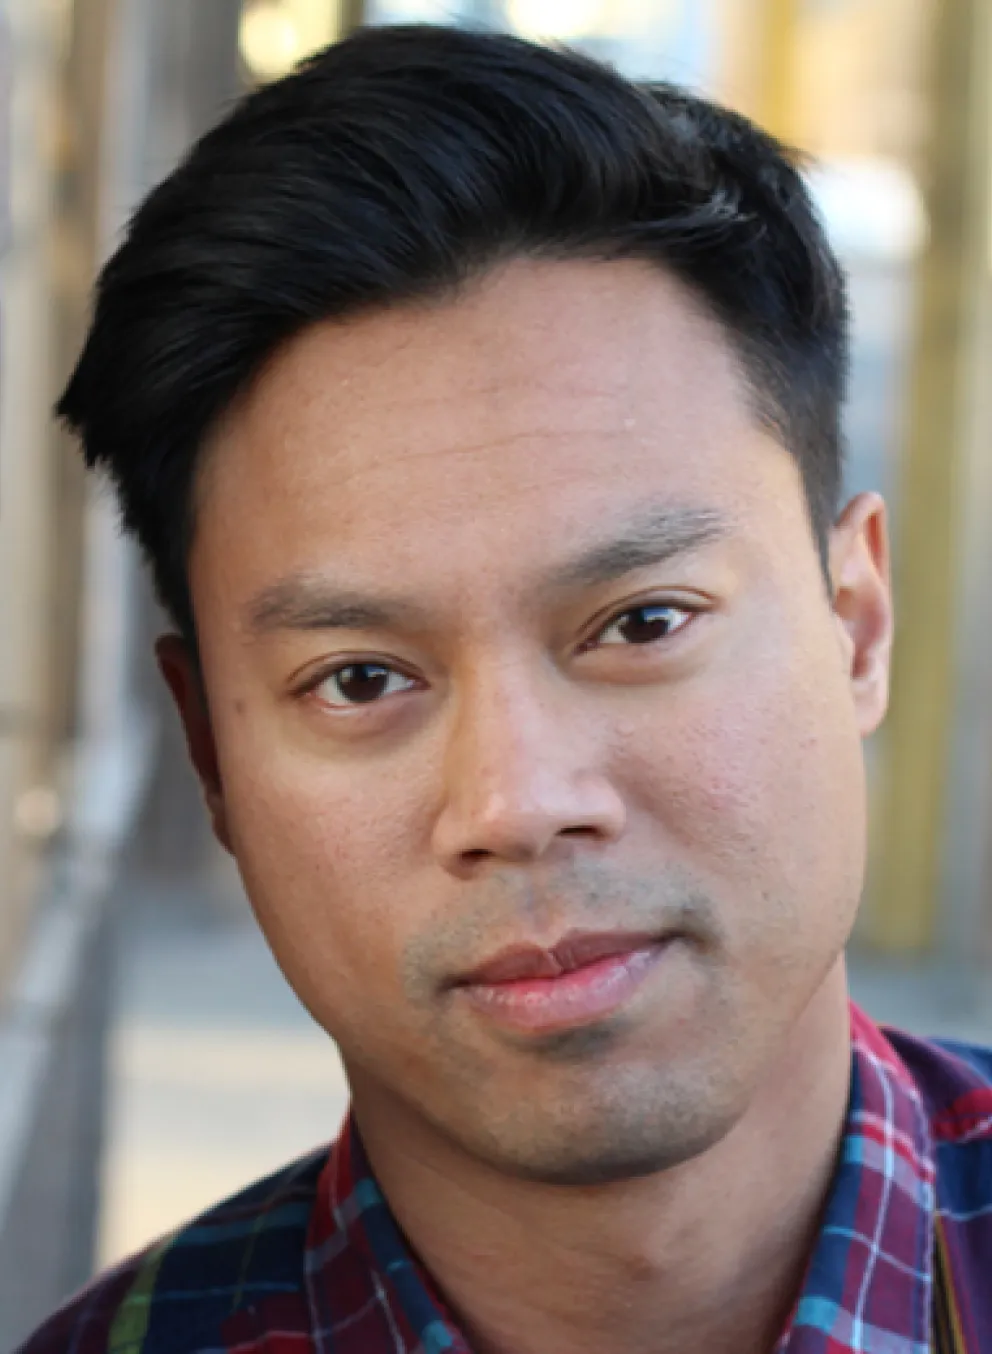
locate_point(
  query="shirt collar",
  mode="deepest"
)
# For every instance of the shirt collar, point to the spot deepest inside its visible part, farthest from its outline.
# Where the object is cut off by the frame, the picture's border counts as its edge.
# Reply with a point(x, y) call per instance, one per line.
point(367, 1292)
point(869, 1281)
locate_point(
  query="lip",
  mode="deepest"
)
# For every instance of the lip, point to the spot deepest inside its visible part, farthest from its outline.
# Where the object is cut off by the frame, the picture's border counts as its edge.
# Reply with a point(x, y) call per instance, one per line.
point(583, 979)
point(575, 950)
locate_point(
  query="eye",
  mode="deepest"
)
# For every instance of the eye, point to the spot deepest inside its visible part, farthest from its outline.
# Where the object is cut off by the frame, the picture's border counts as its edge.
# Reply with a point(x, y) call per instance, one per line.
point(360, 684)
point(645, 624)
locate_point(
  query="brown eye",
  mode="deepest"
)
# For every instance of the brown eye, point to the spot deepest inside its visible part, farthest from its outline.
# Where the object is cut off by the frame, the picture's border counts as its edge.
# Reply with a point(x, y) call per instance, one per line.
point(645, 624)
point(361, 684)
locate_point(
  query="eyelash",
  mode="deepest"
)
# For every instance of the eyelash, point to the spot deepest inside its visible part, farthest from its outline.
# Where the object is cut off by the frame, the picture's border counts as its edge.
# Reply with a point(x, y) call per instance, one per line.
point(687, 611)
point(327, 674)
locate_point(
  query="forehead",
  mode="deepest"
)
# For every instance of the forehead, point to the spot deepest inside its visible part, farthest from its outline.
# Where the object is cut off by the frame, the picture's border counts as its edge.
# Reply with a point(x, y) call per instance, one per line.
point(545, 399)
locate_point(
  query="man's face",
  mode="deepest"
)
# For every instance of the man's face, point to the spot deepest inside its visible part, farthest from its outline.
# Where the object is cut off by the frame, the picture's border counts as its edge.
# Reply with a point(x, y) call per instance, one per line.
point(531, 724)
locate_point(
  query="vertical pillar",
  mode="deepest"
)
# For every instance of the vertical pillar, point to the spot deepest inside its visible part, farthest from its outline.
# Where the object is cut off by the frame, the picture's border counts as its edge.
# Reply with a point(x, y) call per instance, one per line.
point(31, 650)
point(932, 811)
point(779, 25)
point(82, 146)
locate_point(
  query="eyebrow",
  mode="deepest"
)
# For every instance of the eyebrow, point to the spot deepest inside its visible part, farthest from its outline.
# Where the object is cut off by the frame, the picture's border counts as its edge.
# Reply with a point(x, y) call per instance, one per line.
point(661, 534)
point(310, 601)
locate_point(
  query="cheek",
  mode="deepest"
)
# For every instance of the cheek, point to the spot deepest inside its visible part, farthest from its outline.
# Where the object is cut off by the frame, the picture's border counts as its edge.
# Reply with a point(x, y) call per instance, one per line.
point(760, 785)
point(329, 860)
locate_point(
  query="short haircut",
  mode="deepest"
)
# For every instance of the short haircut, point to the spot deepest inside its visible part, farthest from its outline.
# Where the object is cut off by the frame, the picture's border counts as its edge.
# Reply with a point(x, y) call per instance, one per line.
point(397, 165)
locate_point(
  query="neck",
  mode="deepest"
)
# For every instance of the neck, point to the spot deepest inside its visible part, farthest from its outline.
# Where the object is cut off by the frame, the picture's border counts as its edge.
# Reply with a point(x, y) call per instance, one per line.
point(635, 1266)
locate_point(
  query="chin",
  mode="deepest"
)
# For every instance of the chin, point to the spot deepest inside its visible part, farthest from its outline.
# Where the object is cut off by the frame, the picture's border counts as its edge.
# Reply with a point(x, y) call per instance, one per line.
point(604, 1148)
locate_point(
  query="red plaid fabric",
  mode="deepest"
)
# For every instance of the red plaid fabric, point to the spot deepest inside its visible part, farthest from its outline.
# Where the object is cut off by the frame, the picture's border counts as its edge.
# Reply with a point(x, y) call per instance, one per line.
point(311, 1261)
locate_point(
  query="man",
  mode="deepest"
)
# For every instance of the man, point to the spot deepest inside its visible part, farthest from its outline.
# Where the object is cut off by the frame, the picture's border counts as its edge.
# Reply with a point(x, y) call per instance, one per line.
point(478, 412)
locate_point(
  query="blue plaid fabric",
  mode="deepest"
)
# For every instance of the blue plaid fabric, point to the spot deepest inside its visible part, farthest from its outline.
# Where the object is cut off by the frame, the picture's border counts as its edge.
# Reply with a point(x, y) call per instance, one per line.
point(311, 1261)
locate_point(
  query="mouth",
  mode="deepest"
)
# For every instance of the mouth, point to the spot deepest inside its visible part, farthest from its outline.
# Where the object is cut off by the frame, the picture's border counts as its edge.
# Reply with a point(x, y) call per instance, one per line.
point(585, 978)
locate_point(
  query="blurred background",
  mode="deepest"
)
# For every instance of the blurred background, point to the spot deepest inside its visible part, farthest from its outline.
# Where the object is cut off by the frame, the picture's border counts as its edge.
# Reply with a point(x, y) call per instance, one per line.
point(151, 1058)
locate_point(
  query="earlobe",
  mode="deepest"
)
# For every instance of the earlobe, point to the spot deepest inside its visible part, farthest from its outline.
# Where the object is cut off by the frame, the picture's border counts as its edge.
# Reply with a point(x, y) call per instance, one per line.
point(862, 603)
point(182, 676)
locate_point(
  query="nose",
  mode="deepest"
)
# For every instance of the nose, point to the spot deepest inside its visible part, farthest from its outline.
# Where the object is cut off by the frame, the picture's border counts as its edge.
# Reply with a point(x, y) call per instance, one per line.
point(521, 773)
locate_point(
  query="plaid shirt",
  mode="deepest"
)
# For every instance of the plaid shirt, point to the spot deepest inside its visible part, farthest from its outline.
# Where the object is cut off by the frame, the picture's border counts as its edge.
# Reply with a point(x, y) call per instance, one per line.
point(311, 1261)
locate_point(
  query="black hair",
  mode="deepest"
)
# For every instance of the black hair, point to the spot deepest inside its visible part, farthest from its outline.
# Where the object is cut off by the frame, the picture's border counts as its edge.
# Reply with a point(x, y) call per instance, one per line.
point(396, 165)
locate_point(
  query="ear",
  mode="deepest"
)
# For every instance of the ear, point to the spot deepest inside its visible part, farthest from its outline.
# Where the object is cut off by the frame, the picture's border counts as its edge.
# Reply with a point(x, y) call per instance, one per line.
point(862, 604)
point(182, 676)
